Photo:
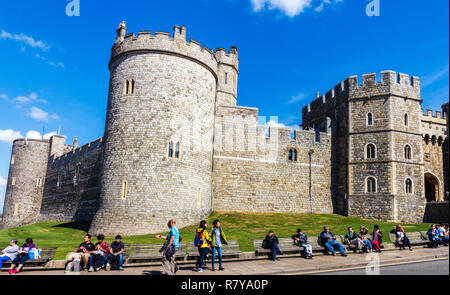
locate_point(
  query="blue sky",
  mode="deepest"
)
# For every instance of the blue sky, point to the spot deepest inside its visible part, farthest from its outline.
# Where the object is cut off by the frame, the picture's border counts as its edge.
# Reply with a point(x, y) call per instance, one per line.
point(53, 68)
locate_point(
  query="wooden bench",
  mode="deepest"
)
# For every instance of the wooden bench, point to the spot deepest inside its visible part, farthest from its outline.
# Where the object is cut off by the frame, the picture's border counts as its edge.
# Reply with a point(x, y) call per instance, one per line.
point(426, 240)
point(151, 252)
point(352, 247)
point(228, 251)
point(47, 254)
point(415, 238)
point(286, 245)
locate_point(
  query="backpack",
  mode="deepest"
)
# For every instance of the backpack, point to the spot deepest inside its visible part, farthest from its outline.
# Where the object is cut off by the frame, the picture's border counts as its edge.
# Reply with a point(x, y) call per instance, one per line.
point(198, 240)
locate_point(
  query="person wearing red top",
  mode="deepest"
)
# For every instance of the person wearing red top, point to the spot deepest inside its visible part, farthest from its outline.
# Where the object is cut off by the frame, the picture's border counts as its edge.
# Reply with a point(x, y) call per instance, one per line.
point(100, 253)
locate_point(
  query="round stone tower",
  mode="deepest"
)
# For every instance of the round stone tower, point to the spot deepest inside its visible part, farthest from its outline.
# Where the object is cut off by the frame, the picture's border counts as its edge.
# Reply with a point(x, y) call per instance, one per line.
point(158, 134)
point(26, 178)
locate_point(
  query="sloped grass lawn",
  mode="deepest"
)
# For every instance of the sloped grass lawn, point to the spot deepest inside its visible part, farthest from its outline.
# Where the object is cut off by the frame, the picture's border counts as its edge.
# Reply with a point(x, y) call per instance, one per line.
point(237, 226)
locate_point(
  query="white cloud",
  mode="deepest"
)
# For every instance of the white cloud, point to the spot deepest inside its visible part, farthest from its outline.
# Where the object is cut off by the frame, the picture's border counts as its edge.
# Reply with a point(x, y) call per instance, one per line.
point(33, 97)
point(273, 123)
point(291, 8)
point(28, 40)
point(3, 96)
point(430, 79)
point(9, 135)
point(2, 182)
point(297, 98)
point(49, 62)
point(41, 115)
point(33, 134)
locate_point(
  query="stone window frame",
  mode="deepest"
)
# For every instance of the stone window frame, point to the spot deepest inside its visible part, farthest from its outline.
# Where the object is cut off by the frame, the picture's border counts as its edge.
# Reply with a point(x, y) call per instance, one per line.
point(16, 209)
point(226, 78)
point(406, 119)
point(129, 87)
point(374, 151)
point(369, 115)
point(13, 159)
point(38, 182)
point(405, 185)
point(292, 154)
point(124, 191)
point(407, 145)
point(367, 186)
point(174, 150)
point(13, 181)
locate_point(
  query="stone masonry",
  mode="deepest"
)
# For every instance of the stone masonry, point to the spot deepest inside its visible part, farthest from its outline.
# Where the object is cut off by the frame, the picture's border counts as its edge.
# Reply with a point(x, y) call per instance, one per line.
point(176, 145)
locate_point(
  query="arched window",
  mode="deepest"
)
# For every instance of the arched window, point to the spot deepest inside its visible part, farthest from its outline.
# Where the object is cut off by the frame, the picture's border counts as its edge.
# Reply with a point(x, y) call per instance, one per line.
point(177, 150)
point(408, 186)
point(295, 155)
point(290, 155)
point(371, 184)
point(129, 86)
point(433, 139)
point(427, 138)
point(371, 151)
point(171, 150)
point(406, 119)
point(369, 119)
point(440, 140)
point(407, 152)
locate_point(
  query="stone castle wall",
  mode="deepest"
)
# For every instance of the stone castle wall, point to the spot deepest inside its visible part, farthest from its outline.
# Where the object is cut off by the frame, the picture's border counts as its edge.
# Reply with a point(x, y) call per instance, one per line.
point(252, 171)
point(72, 189)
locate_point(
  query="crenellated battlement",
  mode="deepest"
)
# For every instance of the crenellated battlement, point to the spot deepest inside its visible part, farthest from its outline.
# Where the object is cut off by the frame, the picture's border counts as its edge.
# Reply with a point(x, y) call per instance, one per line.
point(74, 154)
point(390, 83)
point(435, 114)
point(177, 44)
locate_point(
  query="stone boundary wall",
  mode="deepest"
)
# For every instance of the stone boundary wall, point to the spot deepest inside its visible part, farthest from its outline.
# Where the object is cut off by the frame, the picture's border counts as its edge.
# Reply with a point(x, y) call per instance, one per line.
point(436, 212)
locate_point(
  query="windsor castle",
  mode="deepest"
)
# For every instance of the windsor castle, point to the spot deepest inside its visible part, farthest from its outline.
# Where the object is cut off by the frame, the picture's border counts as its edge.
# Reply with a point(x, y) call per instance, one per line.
point(176, 145)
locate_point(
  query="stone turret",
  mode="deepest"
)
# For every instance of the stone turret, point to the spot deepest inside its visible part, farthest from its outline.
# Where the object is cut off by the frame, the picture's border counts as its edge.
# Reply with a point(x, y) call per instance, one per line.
point(26, 180)
point(158, 133)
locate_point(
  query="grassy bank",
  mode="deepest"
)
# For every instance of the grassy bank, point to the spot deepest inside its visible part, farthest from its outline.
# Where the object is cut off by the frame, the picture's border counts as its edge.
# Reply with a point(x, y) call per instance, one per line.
point(237, 226)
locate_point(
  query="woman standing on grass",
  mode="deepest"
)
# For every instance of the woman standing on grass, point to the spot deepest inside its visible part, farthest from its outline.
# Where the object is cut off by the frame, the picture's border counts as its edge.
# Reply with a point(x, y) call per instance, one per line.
point(22, 256)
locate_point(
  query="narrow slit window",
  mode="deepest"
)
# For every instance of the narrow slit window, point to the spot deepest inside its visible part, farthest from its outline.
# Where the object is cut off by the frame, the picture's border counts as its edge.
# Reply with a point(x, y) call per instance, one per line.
point(124, 189)
point(406, 119)
point(13, 159)
point(13, 181)
point(177, 150)
point(226, 78)
point(408, 186)
point(16, 209)
point(170, 154)
point(407, 152)
point(369, 119)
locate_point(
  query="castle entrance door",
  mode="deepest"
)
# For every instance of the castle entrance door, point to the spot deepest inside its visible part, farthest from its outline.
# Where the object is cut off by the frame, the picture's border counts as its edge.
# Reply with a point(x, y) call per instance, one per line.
point(431, 188)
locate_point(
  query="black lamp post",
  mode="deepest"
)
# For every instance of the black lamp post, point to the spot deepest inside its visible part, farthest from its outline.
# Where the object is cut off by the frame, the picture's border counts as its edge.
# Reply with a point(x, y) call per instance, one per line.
point(310, 181)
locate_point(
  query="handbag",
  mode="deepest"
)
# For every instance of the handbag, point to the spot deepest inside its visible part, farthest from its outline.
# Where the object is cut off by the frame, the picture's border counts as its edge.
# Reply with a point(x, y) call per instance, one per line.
point(34, 254)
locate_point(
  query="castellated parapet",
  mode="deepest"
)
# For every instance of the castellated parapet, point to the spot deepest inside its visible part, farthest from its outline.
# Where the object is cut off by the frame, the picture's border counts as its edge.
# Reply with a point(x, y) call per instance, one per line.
point(177, 145)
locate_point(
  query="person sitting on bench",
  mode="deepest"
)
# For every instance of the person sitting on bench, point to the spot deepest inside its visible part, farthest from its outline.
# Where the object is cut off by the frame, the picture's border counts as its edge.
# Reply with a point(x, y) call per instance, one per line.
point(301, 239)
point(329, 241)
point(271, 242)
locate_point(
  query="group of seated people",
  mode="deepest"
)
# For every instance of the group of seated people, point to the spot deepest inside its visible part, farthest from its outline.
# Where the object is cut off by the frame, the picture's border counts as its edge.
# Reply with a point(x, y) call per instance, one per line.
point(17, 255)
point(90, 257)
point(328, 241)
point(437, 235)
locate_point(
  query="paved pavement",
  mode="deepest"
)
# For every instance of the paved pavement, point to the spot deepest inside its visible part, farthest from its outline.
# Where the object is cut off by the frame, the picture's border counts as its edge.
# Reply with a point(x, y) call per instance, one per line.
point(295, 265)
point(438, 267)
